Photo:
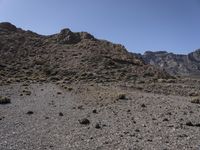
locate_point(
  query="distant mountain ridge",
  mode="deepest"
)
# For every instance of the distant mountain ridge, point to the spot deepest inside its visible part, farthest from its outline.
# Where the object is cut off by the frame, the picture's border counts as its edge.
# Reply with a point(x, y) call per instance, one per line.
point(175, 64)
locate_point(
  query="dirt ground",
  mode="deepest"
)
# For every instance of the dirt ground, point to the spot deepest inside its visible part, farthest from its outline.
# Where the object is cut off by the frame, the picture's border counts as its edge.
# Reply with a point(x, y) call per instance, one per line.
point(47, 116)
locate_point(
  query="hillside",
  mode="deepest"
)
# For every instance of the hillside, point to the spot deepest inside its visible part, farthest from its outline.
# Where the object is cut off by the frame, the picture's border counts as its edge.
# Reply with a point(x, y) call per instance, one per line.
point(69, 56)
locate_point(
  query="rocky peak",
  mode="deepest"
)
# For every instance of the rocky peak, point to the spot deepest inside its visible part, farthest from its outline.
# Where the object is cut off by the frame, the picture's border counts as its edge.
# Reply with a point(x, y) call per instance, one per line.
point(66, 36)
point(7, 26)
point(85, 35)
point(195, 56)
point(66, 32)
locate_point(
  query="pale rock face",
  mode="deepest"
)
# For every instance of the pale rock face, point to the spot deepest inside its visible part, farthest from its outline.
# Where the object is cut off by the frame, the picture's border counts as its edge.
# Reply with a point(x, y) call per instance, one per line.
point(173, 63)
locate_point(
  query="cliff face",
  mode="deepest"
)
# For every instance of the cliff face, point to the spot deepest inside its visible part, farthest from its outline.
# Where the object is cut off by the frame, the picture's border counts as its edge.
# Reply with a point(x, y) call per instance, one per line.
point(173, 63)
point(69, 56)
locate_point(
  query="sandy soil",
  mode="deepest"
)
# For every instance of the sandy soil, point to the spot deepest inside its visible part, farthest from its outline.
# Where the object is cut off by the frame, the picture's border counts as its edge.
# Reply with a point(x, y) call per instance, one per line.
point(46, 116)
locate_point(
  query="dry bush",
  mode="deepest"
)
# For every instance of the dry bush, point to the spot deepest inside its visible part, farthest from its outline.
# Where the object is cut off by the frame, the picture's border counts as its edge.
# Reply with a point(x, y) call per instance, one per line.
point(4, 100)
point(195, 100)
point(121, 96)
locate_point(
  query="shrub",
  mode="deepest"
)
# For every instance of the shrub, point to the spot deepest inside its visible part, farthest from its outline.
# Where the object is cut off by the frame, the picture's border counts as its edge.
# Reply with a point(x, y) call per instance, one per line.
point(4, 100)
point(195, 100)
point(26, 92)
point(193, 94)
point(121, 96)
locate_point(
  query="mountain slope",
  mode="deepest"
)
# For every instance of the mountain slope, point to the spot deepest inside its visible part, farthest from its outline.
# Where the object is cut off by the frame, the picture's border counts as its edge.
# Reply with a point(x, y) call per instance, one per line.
point(175, 64)
point(69, 56)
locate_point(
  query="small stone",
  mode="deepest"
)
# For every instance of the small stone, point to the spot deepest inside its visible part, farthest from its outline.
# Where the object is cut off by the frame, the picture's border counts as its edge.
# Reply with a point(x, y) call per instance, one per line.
point(165, 119)
point(29, 112)
point(137, 130)
point(61, 114)
point(25, 84)
point(27, 92)
point(189, 123)
point(184, 113)
point(84, 121)
point(70, 89)
point(193, 94)
point(169, 113)
point(183, 135)
point(106, 142)
point(80, 107)
point(128, 110)
point(97, 126)
point(149, 140)
point(94, 111)
point(126, 132)
point(59, 93)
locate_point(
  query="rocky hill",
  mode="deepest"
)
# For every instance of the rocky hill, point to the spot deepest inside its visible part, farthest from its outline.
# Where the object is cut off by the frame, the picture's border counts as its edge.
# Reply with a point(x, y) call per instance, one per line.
point(68, 56)
point(185, 65)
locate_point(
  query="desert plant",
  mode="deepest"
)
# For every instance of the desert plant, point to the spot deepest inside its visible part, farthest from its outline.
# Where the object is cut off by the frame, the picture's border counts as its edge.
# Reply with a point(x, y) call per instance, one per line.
point(121, 96)
point(162, 80)
point(4, 100)
point(193, 94)
point(195, 100)
point(26, 92)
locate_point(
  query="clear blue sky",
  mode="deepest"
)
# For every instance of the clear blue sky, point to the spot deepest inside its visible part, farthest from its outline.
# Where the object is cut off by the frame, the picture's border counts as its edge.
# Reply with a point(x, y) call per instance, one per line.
point(140, 25)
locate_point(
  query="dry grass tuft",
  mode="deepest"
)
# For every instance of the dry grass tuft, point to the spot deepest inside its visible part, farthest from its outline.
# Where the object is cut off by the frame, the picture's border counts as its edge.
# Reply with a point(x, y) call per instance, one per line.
point(4, 100)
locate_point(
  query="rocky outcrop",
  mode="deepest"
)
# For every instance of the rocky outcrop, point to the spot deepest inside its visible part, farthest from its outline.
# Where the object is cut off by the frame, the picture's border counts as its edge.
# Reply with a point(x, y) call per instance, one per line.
point(174, 64)
point(7, 26)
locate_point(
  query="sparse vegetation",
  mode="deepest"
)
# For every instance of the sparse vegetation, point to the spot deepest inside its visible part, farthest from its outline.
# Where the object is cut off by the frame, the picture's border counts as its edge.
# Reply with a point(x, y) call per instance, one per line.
point(79, 57)
point(162, 80)
point(193, 94)
point(68, 88)
point(26, 92)
point(121, 96)
point(195, 100)
point(4, 100)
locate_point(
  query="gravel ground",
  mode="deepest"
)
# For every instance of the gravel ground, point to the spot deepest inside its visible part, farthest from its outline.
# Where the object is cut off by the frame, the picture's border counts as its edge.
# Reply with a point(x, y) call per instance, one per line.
point(46, 116)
